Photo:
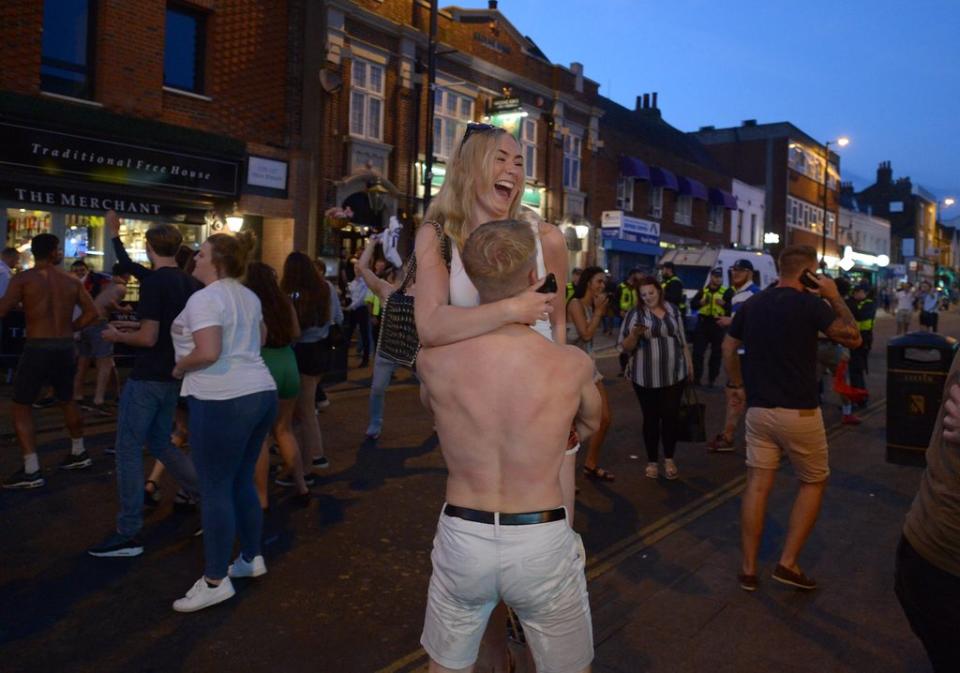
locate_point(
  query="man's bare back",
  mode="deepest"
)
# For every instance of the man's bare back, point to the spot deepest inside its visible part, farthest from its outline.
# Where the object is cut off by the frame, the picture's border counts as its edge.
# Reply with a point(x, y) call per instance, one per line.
point(49, 295)
point(503, 403)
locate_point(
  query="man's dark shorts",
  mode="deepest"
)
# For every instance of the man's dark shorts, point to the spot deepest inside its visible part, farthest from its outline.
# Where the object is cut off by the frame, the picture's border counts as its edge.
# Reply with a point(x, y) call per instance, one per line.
point(45, 362)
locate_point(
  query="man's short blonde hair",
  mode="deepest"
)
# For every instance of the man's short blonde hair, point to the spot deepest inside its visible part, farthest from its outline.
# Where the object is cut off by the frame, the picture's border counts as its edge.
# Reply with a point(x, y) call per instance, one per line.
point(498, 257)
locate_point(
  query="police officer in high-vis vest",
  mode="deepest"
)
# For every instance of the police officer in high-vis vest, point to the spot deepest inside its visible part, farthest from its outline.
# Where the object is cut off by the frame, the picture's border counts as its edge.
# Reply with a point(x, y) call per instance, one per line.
point(864, 311)
point(673, 287)
point(709, 303)
point(572, 284)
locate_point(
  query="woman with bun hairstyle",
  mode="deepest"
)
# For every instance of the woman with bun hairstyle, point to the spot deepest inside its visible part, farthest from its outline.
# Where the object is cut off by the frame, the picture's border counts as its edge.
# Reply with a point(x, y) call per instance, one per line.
point(232, 401)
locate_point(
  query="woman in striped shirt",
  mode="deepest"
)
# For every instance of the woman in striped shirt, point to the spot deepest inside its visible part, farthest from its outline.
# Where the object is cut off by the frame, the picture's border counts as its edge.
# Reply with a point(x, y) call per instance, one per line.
point(660, 363)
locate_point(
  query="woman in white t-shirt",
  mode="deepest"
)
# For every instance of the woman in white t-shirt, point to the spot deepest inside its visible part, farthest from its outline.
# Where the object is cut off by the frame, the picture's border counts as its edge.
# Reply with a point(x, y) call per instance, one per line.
point(232, 400)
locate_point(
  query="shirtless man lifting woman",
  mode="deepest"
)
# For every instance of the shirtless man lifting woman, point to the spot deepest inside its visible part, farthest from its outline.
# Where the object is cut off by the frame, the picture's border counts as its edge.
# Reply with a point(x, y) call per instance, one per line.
point(503, 404)
point(49, 295)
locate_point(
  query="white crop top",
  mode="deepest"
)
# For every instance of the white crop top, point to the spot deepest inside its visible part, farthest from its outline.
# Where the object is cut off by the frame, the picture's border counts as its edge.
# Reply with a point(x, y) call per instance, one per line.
point(464, 294)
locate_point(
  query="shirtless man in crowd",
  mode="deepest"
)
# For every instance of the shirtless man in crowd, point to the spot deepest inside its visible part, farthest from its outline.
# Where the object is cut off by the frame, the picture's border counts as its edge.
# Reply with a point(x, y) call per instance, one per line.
point(49, 295)
point(503, 404)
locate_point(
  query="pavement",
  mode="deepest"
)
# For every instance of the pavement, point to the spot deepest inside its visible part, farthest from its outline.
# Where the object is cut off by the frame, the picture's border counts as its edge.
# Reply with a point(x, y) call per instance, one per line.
point(348, 574)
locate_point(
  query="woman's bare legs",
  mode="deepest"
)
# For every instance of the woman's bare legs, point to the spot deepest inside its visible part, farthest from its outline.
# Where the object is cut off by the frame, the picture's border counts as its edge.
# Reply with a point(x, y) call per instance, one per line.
point(311, 441)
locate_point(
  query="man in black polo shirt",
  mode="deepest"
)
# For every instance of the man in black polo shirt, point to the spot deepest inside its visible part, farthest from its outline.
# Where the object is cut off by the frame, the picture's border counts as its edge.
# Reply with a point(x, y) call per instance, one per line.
point(777, 329)
point(150, 394)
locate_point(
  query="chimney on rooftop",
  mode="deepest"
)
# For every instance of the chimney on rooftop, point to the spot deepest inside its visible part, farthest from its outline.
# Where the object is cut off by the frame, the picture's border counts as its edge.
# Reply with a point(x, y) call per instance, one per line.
point(646, 101)
point(492, 4)
point(653, 102)
point(884, 173)
point(749, 122)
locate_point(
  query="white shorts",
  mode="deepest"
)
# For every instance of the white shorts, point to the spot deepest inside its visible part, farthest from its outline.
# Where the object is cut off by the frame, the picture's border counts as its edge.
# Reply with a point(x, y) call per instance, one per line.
point(537, 570)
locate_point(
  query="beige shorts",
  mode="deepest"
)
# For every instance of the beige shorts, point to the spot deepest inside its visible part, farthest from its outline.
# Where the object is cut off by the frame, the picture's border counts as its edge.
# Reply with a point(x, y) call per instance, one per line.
point(537, 570)
point(797, 432)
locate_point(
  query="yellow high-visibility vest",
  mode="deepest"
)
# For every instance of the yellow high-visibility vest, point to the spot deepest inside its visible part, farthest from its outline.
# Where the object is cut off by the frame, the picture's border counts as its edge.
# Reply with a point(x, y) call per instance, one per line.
point(712, 303)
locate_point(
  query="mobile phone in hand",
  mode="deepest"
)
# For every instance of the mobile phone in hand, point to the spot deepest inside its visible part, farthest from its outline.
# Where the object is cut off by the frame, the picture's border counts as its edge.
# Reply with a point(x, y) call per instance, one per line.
point(549, 284)
point(808, 279)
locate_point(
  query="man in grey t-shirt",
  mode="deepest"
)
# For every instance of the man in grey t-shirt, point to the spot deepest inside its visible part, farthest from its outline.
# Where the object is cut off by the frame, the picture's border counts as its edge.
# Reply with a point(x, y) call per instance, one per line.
point(928, 558)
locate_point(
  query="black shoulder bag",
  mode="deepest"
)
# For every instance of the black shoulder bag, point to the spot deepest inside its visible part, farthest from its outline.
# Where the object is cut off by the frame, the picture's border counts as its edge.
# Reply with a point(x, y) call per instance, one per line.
point(399, 342)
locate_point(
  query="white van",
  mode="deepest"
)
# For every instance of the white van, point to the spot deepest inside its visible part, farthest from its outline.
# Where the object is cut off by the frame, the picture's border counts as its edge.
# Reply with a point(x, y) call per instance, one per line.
point(693, 266)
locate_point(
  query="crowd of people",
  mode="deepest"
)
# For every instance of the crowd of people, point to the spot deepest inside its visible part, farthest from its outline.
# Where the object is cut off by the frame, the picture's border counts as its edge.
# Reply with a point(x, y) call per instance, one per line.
point(229, 356)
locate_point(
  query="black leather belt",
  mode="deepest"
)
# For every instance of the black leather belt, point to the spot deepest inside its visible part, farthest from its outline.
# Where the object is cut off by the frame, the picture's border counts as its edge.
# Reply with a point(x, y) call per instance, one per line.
point(515, 519)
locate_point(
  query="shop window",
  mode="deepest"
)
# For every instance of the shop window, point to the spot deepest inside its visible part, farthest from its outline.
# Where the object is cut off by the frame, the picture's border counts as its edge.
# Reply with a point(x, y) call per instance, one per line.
point(66, 65)
point(571, 161)
point(23, 225)
point(184, 49)
point(452, 112)
point(366, 100)
point(528, 138)
point(656, 201)
point(684, 210)
point(625, 194)
point(715, 219)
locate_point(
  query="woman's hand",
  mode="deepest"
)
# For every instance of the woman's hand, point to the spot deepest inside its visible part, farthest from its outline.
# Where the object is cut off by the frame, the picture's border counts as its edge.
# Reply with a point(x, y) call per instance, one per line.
point(530, 306)
point(177, 373)
point(639, 331)
point(600, 303)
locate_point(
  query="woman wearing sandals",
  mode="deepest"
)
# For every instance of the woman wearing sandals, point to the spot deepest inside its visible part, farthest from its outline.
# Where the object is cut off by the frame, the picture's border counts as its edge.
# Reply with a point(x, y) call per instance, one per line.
point(233, 402)
point(484, 182)
point(585, 312)
point(660, 363)
point(282, 330)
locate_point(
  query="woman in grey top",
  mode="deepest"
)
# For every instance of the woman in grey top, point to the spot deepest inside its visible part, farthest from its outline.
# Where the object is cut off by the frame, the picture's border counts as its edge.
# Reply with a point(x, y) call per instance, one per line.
point(585, 310)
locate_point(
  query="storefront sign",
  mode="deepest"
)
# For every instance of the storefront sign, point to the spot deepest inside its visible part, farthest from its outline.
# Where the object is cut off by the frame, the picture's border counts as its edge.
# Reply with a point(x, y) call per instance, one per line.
point(43, 198)
point(615, 224)
point(267, 173)
point(505, 104)
point(62, 154)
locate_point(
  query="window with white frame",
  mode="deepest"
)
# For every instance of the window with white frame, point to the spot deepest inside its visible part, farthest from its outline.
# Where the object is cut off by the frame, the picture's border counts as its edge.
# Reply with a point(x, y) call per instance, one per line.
point(366, 100)
point(452, 112)
point(528, 139)
point(803, 215)
point(656, 201)
point(683, 214)
point(715, 219)
point(571, 161)
point(625, 194)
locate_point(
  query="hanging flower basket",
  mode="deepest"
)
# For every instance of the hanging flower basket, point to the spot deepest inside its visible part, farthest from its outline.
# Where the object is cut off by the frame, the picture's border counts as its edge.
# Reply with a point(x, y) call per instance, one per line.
point(337, 218)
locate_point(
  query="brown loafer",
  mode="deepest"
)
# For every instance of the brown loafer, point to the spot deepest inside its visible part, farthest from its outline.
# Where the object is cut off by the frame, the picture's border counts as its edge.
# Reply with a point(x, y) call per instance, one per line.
point(748, 582)
point(797, 580)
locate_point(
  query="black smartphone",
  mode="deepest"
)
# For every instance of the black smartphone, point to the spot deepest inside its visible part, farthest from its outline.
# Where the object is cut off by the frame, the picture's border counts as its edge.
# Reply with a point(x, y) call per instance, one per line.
point(808, 279)
point(549, 284)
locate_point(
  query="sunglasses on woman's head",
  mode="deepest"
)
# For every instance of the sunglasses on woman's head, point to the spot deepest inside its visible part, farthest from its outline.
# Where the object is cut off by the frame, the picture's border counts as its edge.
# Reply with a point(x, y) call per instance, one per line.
point(474, 127)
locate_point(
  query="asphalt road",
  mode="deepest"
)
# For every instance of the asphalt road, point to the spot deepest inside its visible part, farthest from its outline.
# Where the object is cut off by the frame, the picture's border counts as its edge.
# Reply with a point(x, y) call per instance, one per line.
point(348, 574)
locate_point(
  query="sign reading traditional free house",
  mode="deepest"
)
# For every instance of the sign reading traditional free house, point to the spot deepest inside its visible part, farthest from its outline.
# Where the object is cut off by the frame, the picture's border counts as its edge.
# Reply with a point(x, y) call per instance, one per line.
point(57, 154)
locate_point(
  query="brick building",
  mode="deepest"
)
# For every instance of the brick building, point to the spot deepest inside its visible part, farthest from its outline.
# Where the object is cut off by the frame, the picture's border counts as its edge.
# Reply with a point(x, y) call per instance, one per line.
point(182, 112)
point(912, 212)
point(790, 165)
point(664, 180)
point(371, 126)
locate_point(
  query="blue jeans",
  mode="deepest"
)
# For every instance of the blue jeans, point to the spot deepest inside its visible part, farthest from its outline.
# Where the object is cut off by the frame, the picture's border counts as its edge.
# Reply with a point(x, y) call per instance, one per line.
point(226, 436)
point(146, 419)
point(382, 373)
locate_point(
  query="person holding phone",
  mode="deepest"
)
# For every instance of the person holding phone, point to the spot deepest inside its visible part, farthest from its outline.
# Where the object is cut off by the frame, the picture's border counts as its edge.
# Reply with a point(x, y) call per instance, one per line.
point(777, 332)
point(585, 312)
point(659, 366)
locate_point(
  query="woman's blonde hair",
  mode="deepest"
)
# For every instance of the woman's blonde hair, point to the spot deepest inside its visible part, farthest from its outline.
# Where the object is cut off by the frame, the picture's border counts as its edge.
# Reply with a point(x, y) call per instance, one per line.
point(453, 206)
point(231, 252)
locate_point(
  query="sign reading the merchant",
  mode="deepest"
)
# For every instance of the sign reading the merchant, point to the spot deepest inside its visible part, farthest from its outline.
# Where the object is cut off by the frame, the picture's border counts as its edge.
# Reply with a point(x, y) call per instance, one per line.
point(66, 155)
point(46, 197)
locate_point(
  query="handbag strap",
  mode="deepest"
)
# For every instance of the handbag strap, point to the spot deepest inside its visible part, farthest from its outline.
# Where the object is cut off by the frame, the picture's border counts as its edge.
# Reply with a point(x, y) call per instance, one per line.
point(446, 253)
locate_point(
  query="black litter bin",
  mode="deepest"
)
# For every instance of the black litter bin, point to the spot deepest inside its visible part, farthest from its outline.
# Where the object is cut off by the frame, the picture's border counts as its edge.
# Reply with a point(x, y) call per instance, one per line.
point(917, 368)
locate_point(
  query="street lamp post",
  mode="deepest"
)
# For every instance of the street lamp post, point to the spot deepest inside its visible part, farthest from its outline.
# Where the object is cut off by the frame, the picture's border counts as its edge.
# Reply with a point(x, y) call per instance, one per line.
point(842, 141)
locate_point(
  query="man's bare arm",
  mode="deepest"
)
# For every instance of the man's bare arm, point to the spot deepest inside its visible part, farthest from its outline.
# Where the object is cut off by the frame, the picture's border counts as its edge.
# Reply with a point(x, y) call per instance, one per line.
point(843, 330)
point(90, 314)
point(731, 360)
point(13, 296)
point(951, 419)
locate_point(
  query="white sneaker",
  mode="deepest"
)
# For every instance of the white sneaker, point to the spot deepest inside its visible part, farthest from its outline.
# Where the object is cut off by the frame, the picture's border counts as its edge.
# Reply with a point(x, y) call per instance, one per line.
point(652, 471)
point(201, 596)
point(244, 568)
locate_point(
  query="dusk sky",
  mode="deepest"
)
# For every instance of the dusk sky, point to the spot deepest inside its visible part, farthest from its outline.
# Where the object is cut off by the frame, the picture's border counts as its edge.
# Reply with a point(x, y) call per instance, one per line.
point(885, 73)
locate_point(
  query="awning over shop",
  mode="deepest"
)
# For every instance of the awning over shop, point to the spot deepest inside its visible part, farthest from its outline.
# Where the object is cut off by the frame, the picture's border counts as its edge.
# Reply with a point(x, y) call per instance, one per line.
point(691, 187)
point(661, 177)
point(718, 197)
point(631, 167)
